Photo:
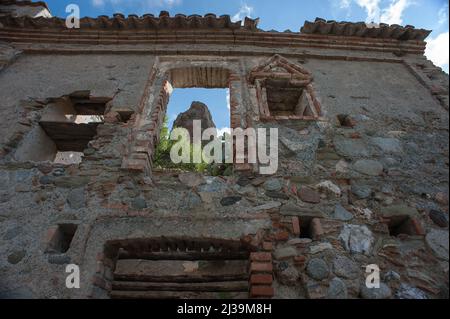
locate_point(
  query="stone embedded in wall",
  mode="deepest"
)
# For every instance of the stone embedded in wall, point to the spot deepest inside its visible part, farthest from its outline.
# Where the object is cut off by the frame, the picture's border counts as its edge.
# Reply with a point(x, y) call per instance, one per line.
point(191, 179)
point(76, 198)
point(346, 268)
point(337, 289)
point(437, 240)
point(285, 253)
point(368, 167)
point(351, 147)
point(384, 292)
point(439, 218)
point(16, 256)
point(273, 184)
point(308, 195)
point(361, 191)
point(329, 188)
point(317, 269)
point(287, 274)
point(388, 145)
point(316, 249)
point(340, 213)
point(357, 239)
point(401, 210)
point(408, 292)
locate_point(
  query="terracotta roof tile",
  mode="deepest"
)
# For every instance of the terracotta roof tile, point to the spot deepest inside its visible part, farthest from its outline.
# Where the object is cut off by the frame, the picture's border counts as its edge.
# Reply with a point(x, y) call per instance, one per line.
point(361, 29)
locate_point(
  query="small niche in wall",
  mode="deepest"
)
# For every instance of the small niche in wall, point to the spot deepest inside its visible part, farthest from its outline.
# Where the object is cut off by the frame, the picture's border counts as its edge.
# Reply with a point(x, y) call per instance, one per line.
point(285, 99)
point(346, 120)
point(401, 225)
point(284, 91)
point(306, 230)
point(66, 127)
point(60, 237)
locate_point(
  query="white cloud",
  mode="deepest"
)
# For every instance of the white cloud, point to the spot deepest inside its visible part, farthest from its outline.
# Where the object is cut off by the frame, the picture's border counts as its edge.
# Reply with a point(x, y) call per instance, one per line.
point(438, 50)
point(228, 99)
point(372, 8)
point(345, 4)
point(244, 11)
point(393, 14)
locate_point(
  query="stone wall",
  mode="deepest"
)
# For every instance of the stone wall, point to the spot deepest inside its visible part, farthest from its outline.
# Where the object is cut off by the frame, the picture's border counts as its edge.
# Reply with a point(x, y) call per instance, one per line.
point(363, 182)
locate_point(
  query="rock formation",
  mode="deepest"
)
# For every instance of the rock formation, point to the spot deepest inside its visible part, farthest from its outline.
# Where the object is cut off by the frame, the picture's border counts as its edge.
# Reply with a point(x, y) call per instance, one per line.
point(197, 111)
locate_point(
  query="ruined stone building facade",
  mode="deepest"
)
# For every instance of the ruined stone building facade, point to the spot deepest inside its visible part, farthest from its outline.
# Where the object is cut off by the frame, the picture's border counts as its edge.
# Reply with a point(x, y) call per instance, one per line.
point(363, 126)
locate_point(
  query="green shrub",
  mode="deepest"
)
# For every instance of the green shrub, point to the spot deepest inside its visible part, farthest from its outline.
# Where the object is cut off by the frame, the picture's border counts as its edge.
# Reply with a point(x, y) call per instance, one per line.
point(162, 157)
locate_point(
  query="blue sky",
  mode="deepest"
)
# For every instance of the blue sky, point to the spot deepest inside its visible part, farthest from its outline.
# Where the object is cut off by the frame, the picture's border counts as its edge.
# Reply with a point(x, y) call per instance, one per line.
point(281, 15)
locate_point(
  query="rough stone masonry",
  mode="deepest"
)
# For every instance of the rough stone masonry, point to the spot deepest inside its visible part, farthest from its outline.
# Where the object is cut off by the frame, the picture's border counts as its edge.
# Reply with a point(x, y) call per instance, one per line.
point(363, 178)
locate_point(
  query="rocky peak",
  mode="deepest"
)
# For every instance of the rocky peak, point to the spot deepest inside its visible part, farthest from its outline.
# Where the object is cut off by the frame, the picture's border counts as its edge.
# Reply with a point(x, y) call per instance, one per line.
point(197, 111)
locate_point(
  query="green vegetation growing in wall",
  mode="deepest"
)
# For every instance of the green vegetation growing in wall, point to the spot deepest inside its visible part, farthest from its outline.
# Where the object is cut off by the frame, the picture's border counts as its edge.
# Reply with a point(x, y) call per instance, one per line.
point(162, 158)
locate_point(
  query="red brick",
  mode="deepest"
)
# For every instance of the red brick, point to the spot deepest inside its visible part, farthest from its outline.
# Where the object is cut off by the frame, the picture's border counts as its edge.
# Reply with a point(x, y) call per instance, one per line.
point(261, 279)
point(350, 122)
point(109, 263)
point(268, 246)
point(243, 167)
point(308, 195)
point(99, 282)
point(294, 189)
point(437, 90)
point(261, 267)
point(276, 224)
point(100, 268)
point(282, 236)
point(261, 291)
point(317, 230)
point(112, 117)
point(296, 225)
point(418, 228)
point(261, 257)
point(299, 260)
point(51, 235)
point(441, 198)
point(115, 206)
point(247, 239)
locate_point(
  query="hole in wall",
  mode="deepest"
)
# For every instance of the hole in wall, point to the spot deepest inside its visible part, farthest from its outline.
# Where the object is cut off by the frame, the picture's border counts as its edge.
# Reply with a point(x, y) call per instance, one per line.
point(401, 225)
point(306, 229)
point(346, 120)
point(66, 127)
point(125, 116)
point(61, 238)
point(285, 98)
